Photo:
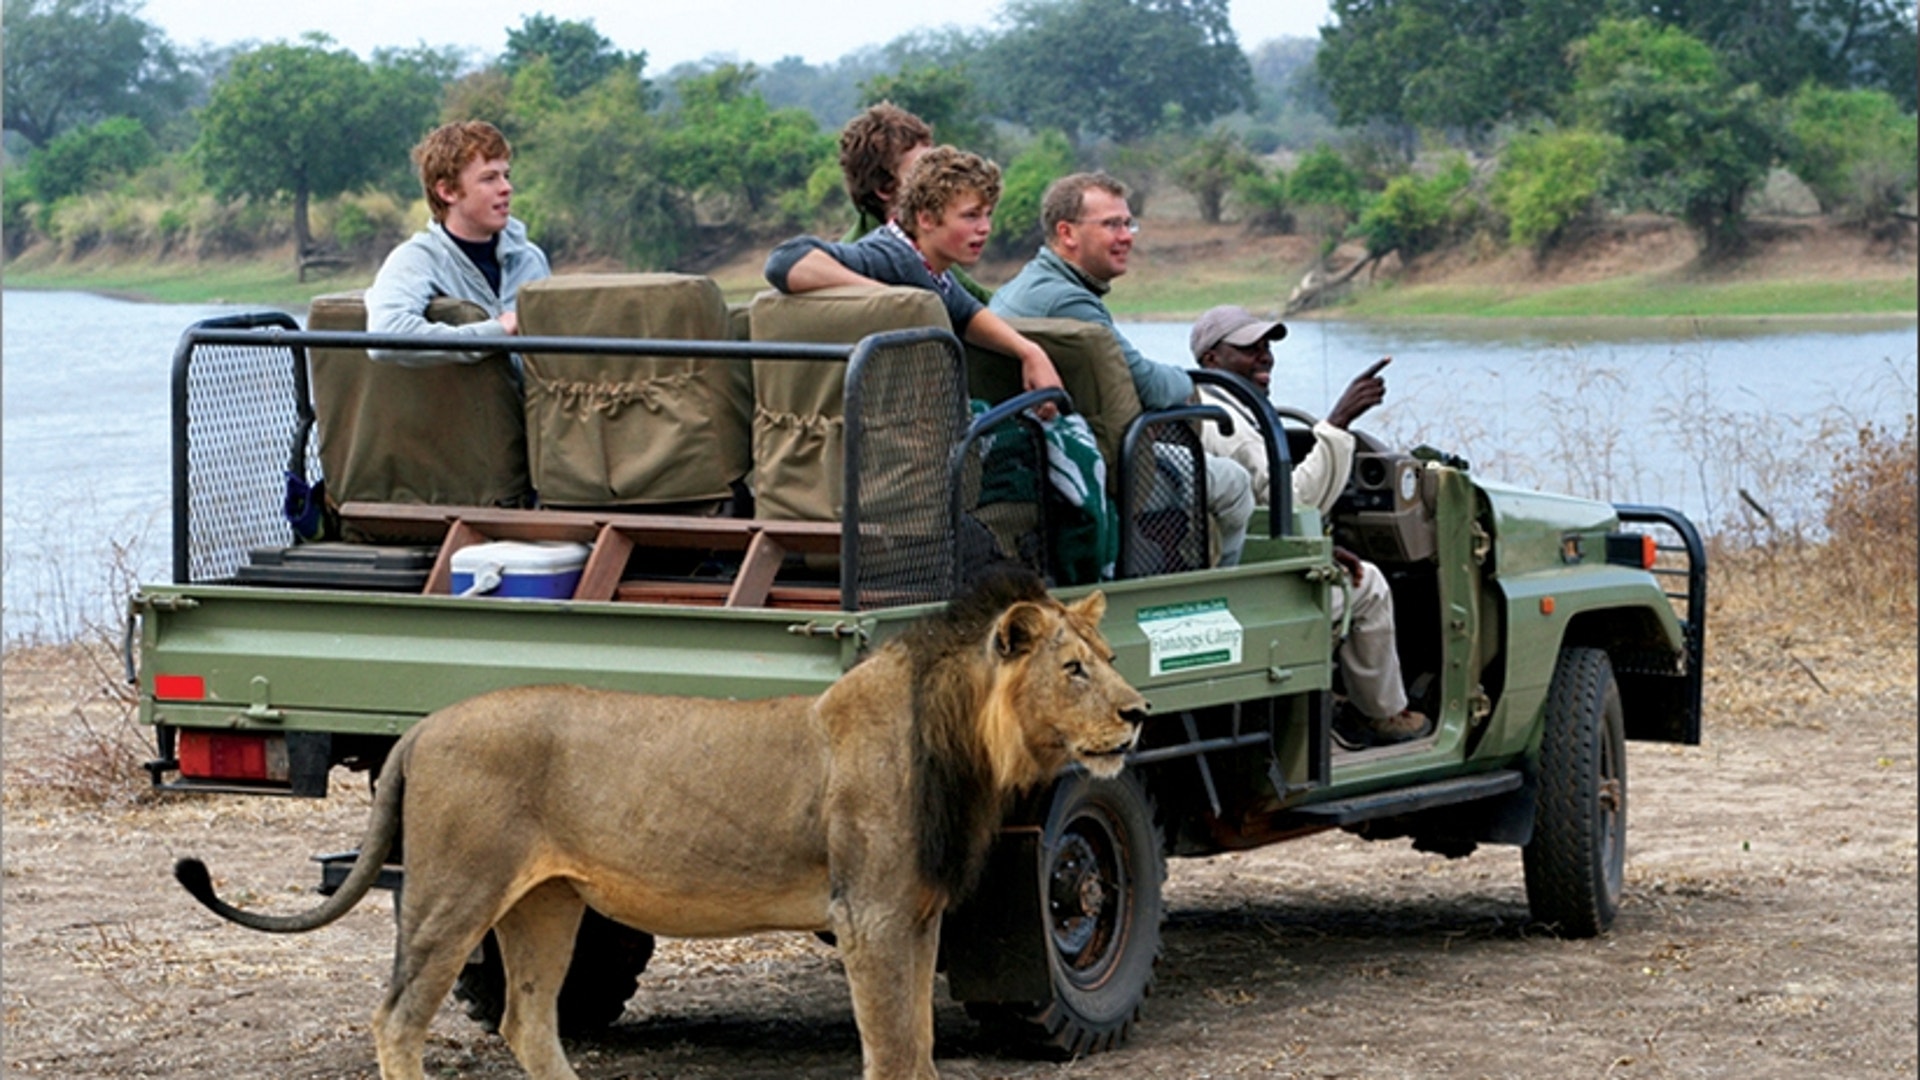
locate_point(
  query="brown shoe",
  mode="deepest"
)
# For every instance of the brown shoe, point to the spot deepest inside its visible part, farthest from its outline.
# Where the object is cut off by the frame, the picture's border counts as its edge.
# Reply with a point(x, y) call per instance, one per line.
point(1401, 727)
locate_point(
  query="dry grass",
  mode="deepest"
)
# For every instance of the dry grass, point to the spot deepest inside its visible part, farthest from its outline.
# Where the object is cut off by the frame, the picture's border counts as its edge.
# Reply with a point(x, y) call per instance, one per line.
point(92, 751)
point(1789, 620)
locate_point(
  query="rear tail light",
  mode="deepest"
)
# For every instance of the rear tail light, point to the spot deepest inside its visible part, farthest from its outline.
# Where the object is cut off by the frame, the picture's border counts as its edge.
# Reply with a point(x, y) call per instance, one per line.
point(180, 687)
point(220, 755)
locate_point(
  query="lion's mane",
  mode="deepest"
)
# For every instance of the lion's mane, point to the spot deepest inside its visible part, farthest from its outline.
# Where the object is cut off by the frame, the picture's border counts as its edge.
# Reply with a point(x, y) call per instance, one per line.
point(956, 758)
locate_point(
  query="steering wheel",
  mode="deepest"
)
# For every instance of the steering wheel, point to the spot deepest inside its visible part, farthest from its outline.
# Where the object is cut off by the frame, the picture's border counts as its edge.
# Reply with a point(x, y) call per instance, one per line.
point(1363, 443)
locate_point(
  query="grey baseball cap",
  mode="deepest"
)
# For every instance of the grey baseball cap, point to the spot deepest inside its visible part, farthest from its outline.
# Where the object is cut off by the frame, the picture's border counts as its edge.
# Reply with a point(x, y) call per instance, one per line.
point(1234, 325)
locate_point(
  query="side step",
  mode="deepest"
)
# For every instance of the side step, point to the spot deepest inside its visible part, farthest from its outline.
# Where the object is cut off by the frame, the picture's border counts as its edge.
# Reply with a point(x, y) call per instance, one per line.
point(1381, 804)
point(334, 869)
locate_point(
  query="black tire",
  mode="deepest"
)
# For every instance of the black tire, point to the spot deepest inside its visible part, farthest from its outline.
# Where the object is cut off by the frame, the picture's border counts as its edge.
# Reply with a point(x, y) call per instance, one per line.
point(608, 958)
point(1104, 868)
point(1576, 861)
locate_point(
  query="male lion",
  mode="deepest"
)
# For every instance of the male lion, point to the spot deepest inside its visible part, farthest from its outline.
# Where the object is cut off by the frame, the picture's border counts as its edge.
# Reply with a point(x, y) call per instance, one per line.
point(865, 811)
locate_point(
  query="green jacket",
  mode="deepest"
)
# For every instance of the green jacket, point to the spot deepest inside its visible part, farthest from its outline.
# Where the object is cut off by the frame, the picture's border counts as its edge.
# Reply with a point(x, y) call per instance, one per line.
point(1049, 287)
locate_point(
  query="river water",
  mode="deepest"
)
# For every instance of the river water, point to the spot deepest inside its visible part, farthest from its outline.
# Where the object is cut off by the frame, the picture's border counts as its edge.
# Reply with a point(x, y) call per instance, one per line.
point(1686, 415)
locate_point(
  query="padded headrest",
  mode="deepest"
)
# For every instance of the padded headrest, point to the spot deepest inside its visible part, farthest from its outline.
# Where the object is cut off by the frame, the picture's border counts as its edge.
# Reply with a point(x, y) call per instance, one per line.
point(844, 314)
point(1092, 368)
point(623, 305)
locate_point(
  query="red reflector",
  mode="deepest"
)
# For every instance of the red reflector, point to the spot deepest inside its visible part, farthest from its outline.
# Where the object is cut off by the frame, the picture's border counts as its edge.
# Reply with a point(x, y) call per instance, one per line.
point(1546, 605)
point(208, 755)
point(180, 687)
point(1649, 552)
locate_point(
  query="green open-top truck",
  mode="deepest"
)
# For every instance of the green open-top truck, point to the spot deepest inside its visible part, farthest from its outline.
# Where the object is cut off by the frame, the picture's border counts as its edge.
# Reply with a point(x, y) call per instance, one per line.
point(753, 497)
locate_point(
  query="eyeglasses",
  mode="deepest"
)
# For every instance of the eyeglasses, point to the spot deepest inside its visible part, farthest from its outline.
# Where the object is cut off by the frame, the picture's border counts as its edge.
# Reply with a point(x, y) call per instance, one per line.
point(1114, 224)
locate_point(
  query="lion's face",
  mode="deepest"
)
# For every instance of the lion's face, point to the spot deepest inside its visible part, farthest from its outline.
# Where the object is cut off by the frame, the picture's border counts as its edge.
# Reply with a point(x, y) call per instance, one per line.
point(1068, 702)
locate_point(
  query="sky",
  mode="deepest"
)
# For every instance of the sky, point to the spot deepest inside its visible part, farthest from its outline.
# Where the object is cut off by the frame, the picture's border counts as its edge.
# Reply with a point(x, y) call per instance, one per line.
point(671, 31)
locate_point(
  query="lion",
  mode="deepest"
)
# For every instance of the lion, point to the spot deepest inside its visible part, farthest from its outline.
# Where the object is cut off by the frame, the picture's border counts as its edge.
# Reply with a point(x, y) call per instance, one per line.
point(864, 812)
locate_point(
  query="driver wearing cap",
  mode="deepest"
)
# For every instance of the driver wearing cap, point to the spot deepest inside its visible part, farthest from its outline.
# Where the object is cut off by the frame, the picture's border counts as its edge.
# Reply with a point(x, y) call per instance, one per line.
point(1230, 338)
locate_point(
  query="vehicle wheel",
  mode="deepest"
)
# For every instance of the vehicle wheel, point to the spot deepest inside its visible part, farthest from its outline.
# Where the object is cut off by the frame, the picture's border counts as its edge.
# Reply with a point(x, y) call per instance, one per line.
point(1576, 860)
point(1103, 870)
point(608, 958)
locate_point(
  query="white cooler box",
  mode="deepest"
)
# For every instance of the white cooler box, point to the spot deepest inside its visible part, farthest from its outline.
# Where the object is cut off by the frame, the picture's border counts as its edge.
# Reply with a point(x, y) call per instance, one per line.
point(519, 569)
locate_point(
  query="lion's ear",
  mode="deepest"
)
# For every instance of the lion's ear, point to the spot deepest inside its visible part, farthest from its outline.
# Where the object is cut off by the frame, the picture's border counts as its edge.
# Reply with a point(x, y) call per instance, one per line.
point(1018, 628)
point(1093, 607)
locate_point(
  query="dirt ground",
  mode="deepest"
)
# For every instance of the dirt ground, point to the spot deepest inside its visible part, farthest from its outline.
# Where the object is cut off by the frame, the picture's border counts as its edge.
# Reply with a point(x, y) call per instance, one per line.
point(1768, 928)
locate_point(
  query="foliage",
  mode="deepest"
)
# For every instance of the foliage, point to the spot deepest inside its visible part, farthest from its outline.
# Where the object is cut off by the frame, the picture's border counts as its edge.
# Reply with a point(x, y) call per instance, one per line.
point(306, 121)
point(1548, 180)
point(1854, 148)
point(1215, 165)
point(1416, 214)
point(1118, 68)
point(592, 182)
point(1695, 146)
point(1447, 64)
point(579, 55)
point(1016, 221)
point(727, 141)
point(1323, 178)
point(1783, 44)
point(70, 63)
point(945, 97)
point(1265, 201)
point(80, 159)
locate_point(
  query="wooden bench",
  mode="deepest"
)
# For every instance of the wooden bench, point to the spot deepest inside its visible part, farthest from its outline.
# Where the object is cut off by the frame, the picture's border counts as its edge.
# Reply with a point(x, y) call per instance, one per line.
point(613, 538)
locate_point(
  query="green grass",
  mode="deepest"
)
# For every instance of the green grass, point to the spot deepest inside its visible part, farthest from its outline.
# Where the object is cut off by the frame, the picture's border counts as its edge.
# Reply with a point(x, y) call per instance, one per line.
point(270, 282)
point(1160, 293)
point(1642, 297)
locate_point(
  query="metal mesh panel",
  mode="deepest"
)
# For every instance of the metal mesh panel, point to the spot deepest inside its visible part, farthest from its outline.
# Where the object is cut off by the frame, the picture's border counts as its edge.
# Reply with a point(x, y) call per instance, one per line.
point(242, 417)
point(1163, 500)
point(1002, 516)
point(906, 410)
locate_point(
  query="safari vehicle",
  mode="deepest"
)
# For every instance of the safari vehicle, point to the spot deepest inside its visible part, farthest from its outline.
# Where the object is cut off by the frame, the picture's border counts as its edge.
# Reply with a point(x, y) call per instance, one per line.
point(1540, 631)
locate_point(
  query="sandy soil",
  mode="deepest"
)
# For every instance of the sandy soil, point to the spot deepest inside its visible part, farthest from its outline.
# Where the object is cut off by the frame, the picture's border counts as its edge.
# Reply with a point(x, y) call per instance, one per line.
point(1768, 929)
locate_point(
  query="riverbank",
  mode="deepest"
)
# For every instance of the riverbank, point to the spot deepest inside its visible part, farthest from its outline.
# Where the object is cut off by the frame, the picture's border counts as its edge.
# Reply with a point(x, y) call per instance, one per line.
point(1640, 268)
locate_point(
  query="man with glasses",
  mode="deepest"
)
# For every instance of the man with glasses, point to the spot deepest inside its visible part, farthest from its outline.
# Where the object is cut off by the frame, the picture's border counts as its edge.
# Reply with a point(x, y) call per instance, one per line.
point(1230, 338)
point(1089, 236)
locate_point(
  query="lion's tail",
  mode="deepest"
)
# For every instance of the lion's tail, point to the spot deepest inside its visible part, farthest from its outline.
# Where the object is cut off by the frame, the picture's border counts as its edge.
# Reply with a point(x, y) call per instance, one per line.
point(381, 830)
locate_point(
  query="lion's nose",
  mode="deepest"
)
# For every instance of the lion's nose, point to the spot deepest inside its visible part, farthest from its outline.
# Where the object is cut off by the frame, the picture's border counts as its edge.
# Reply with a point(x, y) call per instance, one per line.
point(1135, 716)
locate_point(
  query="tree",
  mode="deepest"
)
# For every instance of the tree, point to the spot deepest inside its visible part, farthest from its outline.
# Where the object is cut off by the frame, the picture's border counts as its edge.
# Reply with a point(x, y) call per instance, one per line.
point(727, 141)
point(1783, 44)
point(944, 97)
point(306, 121)
point(1695, 144)
point(1119, 68)
point(1216, 164)
point(70, 63)
point(599, 184)
point(1463, 65)
point(580, 55)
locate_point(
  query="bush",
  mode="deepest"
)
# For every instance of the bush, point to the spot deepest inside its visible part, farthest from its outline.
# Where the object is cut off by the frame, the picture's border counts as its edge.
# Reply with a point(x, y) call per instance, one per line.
point(88, 158)
point(364, 226)
point(1548, 180)
point(1415, 214)
point(1324, 179)
point(1872, 514)
point(1854, 148)
point(1265, 201)
point(1017, 219)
